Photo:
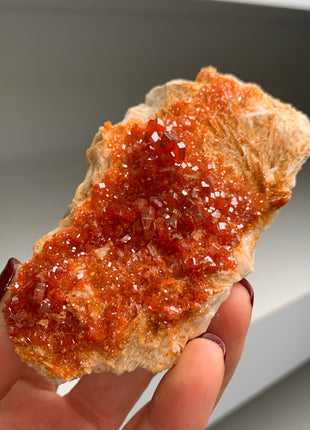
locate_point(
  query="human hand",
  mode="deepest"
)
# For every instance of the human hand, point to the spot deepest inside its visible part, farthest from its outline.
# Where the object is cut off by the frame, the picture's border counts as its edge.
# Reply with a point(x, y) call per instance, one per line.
point(183, 400)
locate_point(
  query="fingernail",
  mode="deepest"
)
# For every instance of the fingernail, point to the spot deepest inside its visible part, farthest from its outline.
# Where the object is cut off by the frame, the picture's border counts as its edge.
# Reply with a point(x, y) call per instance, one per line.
point(216, 339)
point(7, 275)
point(249, 288)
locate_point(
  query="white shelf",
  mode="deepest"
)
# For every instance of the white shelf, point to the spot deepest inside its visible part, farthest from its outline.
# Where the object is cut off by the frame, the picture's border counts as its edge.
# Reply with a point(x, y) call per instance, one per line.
point(285, 406)
point(292, 4)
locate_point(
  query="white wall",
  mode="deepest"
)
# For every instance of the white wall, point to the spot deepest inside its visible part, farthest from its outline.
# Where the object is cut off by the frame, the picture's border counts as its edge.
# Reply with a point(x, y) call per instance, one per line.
point(295, 4)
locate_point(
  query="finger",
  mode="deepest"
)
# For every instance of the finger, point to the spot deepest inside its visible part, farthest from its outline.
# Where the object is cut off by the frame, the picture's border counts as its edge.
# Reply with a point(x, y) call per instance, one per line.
point(185, 397)
point(10, 365)
point(107, 398)
point(7, 275)
point(231, 324)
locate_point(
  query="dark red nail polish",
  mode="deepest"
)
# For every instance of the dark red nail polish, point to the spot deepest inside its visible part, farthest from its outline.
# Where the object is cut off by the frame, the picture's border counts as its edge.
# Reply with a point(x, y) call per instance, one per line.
point(216, 339)
point(249, 288)
point(7, 275)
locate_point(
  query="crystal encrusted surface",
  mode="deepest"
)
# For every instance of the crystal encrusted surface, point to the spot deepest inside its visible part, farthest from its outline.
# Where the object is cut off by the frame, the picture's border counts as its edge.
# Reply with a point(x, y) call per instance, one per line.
point(165, 217)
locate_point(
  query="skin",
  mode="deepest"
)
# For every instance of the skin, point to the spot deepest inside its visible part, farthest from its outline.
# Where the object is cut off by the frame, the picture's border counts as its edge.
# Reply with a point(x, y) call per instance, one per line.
point(184, 399)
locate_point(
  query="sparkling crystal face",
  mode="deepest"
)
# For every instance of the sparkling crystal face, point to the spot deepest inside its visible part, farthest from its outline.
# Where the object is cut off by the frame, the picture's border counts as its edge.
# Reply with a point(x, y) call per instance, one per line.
point(164, 218)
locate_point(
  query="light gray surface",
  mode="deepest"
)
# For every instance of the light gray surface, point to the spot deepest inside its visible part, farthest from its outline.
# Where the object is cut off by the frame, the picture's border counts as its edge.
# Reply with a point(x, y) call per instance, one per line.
point(283, 407)
point(302, 4)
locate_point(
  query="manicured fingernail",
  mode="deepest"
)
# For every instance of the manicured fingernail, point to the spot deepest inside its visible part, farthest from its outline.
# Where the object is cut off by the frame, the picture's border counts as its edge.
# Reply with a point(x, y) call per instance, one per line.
point(7, 275)
point(249, 288)
point(216, 339)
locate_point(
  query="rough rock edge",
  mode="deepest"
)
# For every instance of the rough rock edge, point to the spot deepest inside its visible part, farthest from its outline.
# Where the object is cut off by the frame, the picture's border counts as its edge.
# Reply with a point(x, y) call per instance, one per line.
point(162, 352)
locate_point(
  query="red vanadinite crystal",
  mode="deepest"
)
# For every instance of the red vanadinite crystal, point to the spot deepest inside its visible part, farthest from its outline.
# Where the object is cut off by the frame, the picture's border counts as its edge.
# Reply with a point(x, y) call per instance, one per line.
point(165, 217)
